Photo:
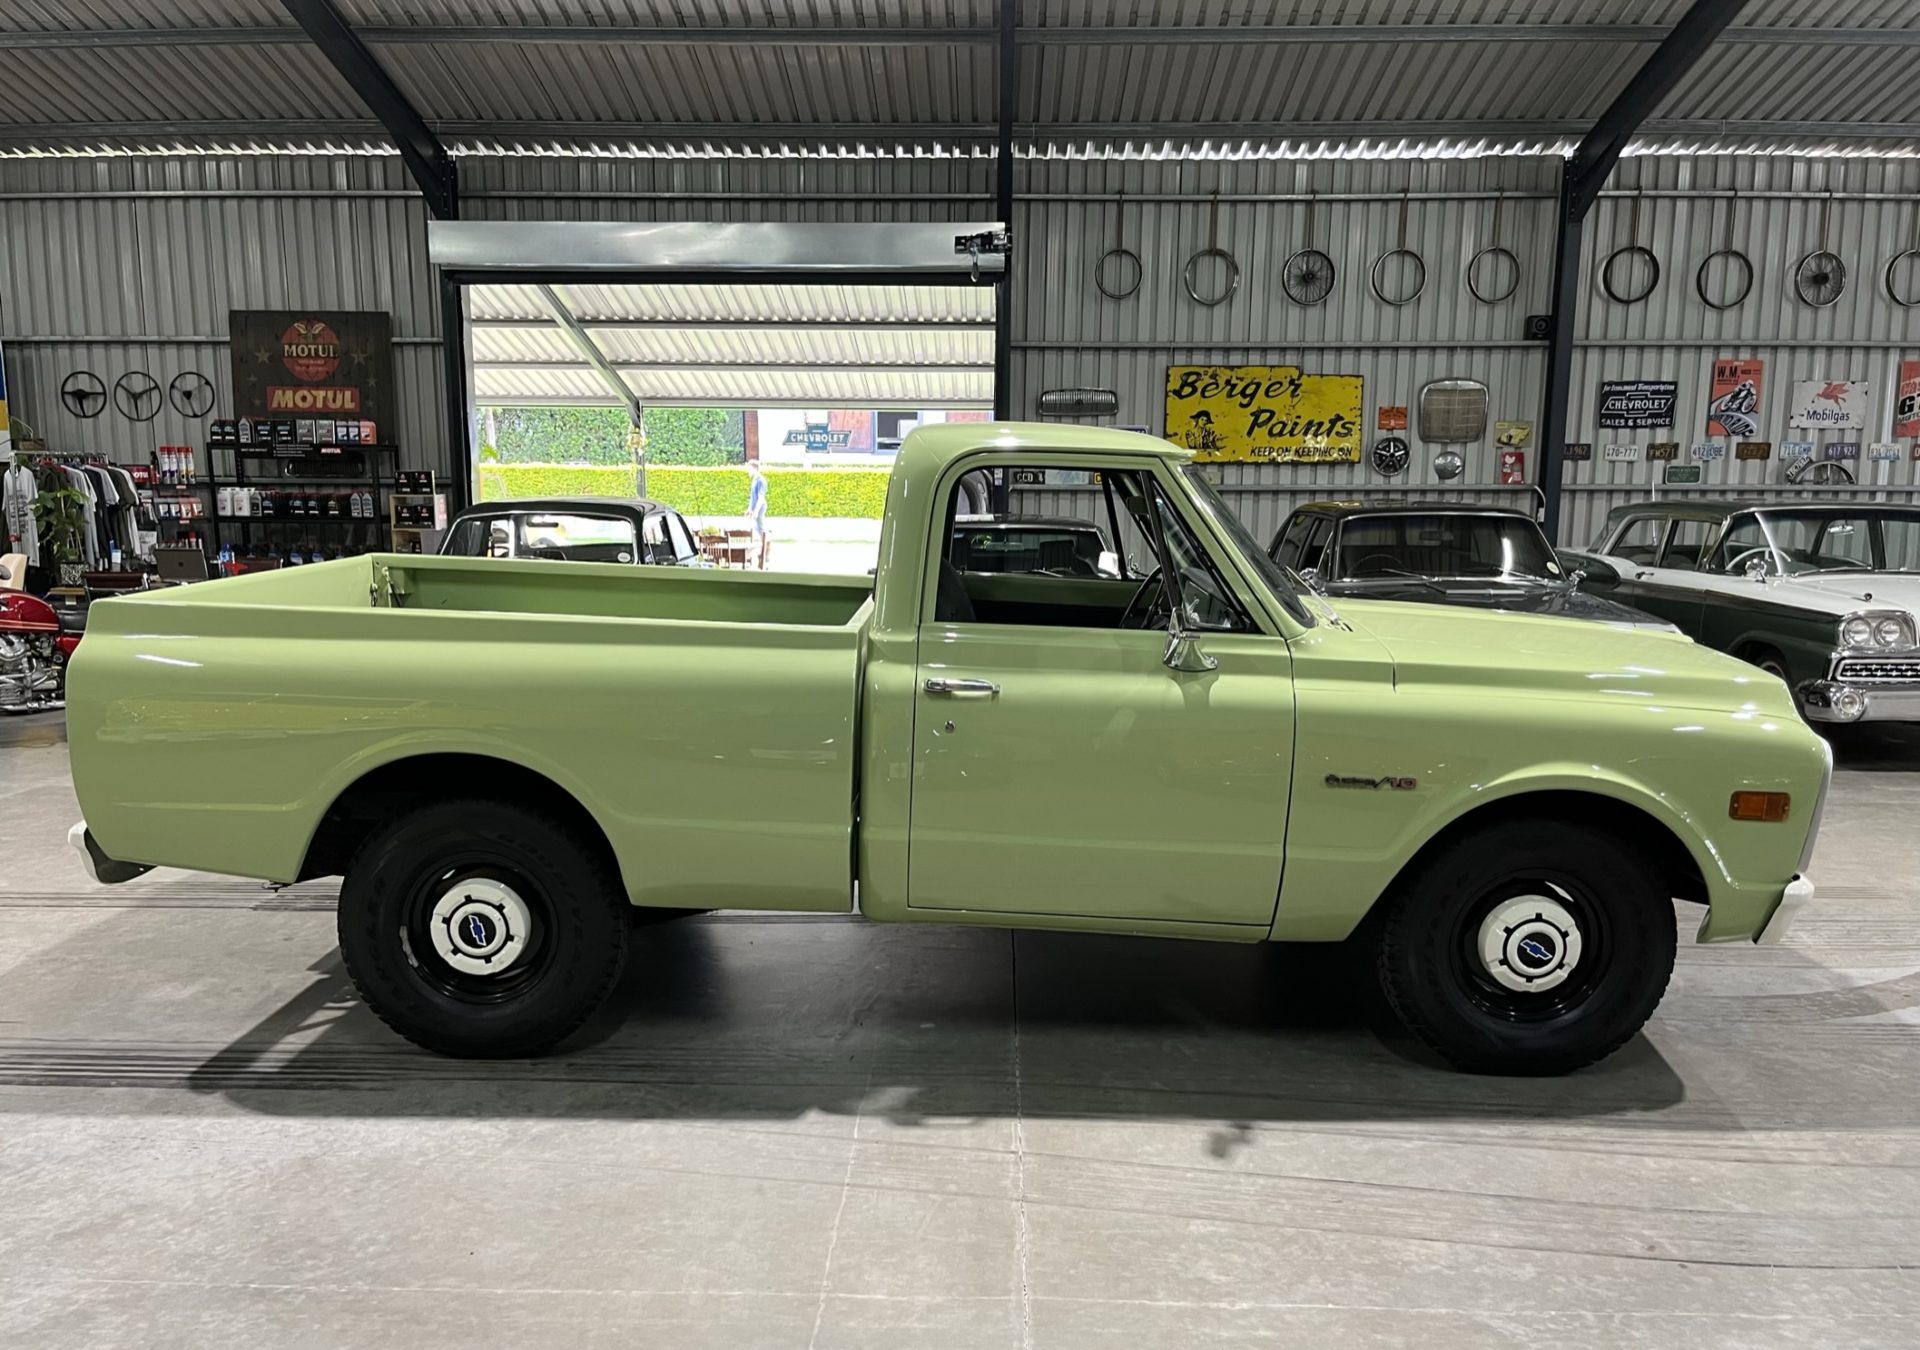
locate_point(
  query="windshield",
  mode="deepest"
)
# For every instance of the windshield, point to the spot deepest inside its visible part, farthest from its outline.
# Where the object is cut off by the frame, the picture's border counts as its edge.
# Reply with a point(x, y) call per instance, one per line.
point(555, 536)
point(1255, 557)
point(1823, 541)
point(1443, 545)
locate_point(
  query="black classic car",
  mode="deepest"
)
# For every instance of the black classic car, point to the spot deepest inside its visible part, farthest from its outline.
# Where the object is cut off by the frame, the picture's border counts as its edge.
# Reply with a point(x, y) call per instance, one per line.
point(575, 529)
point(1445, 553)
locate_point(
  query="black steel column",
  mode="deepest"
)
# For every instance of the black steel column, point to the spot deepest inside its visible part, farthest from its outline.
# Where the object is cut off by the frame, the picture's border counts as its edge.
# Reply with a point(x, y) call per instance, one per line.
point(1566, 289)
point(1003, 183)
point(1580, 182)
point(453, 356)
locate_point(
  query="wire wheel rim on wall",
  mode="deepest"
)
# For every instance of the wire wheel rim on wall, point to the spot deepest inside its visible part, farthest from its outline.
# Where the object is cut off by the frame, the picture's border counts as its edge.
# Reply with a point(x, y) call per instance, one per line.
point(1308, 274)
point(78, 391)
point(1820, 278)
point(1190, 275)
point(1812, 472)
point(1740, 262)
point(1634, 251)
point(1122, 257)
point(1376, 276)
point(1494, 252)
point(1911, 257)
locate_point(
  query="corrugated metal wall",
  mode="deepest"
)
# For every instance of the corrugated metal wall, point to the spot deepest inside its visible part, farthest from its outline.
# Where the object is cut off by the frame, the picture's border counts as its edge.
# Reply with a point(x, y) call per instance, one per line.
point(1069, 334)
point(115, 264)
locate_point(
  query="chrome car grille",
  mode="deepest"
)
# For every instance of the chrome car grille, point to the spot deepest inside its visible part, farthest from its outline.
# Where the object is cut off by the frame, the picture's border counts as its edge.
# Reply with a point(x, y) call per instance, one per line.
point(1879, 670)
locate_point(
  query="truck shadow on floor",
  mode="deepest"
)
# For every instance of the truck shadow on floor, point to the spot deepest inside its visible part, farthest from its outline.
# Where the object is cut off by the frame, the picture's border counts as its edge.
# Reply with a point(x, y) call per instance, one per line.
point(746, 1017)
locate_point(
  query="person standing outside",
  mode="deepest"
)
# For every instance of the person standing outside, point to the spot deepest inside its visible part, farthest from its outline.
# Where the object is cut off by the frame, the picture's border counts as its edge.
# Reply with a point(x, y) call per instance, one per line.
point(757, 514)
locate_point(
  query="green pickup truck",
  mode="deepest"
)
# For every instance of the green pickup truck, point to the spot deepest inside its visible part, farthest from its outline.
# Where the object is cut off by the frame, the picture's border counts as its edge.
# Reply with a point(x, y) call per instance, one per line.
point(504, 759)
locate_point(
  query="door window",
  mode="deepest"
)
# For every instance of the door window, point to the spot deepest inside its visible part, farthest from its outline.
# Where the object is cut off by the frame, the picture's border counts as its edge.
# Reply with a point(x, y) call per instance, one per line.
point(684, 549)
point(1072, 571)
point(1687, 544)
point(1316, 545)
point(1639, 541)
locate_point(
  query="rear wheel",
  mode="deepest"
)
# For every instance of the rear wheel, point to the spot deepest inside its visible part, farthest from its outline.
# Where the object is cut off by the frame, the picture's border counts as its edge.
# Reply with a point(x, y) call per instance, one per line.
point(479, 929)
point(1529, 947)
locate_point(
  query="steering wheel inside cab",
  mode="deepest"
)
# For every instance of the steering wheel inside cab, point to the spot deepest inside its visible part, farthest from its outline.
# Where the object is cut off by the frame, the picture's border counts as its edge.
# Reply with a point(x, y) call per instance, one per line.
point(1148, 608)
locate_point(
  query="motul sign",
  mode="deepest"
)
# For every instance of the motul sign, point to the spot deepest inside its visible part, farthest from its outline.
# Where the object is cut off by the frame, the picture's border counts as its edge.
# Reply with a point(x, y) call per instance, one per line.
point(313, 363)
point(311, 351)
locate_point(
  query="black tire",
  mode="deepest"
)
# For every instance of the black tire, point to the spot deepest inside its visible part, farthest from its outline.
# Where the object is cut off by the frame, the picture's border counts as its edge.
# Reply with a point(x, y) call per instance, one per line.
point(569, 957)
point(1442, 990)
point(1770, 661)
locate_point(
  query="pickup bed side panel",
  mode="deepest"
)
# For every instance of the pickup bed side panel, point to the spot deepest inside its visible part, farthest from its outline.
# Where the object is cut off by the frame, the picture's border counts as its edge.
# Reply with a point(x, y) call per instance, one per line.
point(718, 758)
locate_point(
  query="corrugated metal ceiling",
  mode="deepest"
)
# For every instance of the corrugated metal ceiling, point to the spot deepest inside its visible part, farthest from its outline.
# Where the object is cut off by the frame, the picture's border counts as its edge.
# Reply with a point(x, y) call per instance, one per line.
point(507, 75)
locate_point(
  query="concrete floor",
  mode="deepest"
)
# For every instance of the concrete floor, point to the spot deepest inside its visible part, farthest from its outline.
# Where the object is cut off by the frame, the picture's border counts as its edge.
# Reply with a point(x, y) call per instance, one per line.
point(804, 1132)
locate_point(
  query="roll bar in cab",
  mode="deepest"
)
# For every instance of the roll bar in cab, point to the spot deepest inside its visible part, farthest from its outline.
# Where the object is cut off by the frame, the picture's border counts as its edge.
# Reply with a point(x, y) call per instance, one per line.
point(1501, 806)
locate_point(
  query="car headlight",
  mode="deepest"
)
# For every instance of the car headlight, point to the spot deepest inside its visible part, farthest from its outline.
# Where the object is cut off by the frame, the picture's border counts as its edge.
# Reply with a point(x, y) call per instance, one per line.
point(1892, 632)
point(1856, 632)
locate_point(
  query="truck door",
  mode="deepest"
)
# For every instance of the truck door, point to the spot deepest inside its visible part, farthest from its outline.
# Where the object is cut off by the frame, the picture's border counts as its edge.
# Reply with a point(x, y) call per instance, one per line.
point(1066, 769)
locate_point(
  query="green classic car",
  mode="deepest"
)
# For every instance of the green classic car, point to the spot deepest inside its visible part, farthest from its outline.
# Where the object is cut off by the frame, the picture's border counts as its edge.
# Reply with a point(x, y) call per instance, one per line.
point(503, 758)
point(1821, 595)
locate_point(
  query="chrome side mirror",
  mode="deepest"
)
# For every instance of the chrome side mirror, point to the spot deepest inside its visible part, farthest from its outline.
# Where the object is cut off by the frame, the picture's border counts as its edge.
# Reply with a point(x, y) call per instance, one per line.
point(1185, 655)
point(1311, 575)
point(1578, 575)
point(1757, 568)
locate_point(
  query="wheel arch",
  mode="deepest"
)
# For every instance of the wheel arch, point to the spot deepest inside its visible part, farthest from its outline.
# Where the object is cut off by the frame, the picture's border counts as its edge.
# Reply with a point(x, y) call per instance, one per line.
point(1554, 805)
point(387, 790)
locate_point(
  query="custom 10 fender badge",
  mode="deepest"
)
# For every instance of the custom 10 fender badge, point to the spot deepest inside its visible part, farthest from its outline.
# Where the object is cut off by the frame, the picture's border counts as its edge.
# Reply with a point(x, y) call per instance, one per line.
point(1336, 780)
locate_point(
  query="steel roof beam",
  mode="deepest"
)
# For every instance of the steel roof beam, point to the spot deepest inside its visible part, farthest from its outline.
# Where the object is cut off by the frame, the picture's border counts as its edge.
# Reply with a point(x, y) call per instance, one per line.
point(685, 35)
point(593, 357)
point(426, 159)
point(96, 133)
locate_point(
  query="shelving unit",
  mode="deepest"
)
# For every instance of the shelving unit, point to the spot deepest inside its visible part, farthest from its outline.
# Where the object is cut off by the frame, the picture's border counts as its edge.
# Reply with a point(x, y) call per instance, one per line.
point(286, 530)
point(423, 533)
point(173, 531)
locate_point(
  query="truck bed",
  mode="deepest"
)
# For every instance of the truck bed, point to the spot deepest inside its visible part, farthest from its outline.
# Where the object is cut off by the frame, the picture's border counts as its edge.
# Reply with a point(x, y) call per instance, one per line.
point(694, 713)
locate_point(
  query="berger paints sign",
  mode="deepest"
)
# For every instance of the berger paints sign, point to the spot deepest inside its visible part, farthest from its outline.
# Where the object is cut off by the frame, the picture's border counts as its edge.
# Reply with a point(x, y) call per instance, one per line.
point(1278, 414)
point(313, 363)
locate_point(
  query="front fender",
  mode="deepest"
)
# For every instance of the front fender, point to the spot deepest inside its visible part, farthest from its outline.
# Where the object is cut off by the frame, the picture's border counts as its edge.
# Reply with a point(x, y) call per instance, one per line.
point(1346, 847)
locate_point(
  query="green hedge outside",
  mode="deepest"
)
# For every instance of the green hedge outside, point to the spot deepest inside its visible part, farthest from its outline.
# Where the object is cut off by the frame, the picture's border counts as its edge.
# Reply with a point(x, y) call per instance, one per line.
point(856, 493)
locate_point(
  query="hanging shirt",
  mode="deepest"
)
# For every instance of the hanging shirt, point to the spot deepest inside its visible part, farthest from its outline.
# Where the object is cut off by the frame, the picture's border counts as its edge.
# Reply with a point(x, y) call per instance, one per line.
point(22, 529)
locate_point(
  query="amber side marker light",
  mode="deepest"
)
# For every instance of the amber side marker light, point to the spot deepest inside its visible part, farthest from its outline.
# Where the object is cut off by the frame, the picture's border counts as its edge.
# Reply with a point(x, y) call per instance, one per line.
point(1769, 806)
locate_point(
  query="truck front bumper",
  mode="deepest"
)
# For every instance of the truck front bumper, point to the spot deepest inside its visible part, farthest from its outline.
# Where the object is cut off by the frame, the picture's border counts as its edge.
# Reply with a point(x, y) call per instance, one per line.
point(1797, 896)
point(107, 871)
point(1838, 701)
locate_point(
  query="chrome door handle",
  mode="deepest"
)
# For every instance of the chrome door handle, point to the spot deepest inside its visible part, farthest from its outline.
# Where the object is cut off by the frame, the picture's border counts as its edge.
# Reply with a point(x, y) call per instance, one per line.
point(963, 688)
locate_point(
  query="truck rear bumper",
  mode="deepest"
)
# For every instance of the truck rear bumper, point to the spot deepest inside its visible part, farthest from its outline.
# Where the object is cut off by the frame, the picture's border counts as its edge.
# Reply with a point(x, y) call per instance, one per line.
point(107, 871)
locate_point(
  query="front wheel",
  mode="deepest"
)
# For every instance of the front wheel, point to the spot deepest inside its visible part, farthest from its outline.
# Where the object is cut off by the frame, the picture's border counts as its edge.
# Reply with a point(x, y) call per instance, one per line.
point(1530, 947)
point(479, 929)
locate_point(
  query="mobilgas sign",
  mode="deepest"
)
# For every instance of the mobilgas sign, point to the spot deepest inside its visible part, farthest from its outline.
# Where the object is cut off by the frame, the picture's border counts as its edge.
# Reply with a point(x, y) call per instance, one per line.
point(1638, 403)
point(313, 363)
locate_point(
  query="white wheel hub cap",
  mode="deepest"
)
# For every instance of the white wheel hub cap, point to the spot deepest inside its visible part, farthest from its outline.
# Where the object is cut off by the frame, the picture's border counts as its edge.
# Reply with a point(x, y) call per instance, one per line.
point(480, 927)
point(1530, 943)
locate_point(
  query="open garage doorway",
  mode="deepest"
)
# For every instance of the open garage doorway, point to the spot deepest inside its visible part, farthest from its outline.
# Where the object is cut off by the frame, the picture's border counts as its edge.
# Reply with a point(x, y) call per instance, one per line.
point(760, 413)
